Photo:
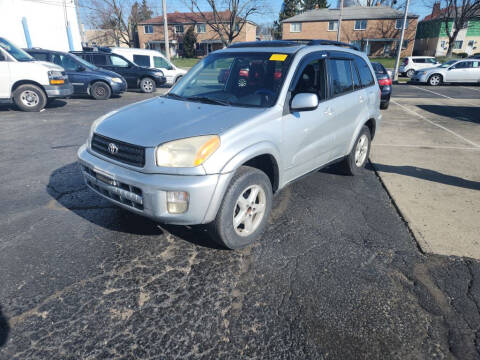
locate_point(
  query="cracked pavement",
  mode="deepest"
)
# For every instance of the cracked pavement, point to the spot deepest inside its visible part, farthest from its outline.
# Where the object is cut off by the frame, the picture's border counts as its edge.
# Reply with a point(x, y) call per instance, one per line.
point(337, 274)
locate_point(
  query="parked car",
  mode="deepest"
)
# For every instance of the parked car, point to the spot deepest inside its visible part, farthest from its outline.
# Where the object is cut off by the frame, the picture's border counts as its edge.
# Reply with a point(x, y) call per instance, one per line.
point(153, 59)
point(137, 77)
point(475, 56)
point(453, 71)
point(30, 84)
point(385, 83)
point(214, 152)
point(411, 64)
point(86, 78)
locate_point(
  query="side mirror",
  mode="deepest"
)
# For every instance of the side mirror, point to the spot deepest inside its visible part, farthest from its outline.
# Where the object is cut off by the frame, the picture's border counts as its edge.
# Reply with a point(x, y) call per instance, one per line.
point(81, 68)
point(304, 102)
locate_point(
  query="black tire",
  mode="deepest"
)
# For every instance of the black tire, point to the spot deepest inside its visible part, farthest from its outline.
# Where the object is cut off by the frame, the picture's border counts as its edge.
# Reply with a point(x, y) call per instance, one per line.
point(30, 97)
point(147, 85)
point(410, 73)
point(100, 91)
point(384, 105)
point(222, 229)
point(432, 80)
point(349, 165)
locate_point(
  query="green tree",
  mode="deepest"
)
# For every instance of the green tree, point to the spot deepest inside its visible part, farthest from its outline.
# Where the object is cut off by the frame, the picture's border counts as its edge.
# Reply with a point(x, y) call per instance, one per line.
point(145, 12)
point(314, 4)
point(289, 8)
point(189, 41)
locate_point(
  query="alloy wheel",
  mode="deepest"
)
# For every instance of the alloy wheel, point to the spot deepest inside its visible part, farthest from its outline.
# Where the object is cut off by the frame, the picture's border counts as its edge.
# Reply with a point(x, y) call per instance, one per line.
point(361, 150)
point(249, 210)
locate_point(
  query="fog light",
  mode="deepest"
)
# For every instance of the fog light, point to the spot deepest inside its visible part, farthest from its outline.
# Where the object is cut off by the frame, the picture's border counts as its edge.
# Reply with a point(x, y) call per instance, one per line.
point(177, 202)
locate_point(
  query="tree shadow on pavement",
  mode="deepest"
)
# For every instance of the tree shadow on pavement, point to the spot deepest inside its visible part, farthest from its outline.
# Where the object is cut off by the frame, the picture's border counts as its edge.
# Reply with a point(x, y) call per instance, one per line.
point(68, 190)
point(4, 329)
point(430, 175)
point(462, 113)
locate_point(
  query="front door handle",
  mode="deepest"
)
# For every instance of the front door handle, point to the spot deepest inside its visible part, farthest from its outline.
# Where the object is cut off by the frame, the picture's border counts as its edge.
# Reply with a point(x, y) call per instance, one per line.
point(328, 111)
point(361, 98)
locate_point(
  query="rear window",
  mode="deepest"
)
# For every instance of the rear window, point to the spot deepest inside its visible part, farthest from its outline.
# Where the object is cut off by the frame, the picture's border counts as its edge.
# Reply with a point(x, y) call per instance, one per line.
point(378, 68)
point(366, 76)
point(142, 60)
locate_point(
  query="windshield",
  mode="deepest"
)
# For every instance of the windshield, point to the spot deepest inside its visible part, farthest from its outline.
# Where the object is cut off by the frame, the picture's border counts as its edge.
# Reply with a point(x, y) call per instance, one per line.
point(17, 53)
point(448, 63)
point(238, 79)
point(84, 62)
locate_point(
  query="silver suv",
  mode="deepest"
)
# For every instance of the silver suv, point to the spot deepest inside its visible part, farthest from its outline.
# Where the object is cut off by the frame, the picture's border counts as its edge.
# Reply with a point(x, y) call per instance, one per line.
point(241, 125)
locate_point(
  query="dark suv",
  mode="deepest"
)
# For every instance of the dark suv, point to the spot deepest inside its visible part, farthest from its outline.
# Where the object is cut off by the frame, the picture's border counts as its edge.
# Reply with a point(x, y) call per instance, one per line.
point(137, 77)
point(85, 77)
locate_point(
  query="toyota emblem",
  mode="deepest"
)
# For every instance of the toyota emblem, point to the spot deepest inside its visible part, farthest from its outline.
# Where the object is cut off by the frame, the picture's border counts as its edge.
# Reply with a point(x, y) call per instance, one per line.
point(112, 148)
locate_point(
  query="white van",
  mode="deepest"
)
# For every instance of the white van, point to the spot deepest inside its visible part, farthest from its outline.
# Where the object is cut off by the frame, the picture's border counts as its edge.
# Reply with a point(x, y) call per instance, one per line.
point(154, 59)
point(29, 83)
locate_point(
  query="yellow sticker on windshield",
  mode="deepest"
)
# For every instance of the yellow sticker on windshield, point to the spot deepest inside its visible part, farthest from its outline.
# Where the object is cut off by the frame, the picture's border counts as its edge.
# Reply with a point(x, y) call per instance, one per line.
point(278, 57)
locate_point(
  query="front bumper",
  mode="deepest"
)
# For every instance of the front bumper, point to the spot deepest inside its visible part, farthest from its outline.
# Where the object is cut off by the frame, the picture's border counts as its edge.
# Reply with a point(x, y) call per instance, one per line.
point(59, 91)
point(118, 88)
point(160, 80)
point(146, 194)
point(419, 78)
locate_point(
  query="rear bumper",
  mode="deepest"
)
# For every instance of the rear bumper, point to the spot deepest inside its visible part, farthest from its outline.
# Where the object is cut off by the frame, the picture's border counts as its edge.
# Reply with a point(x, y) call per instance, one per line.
point(59, 91)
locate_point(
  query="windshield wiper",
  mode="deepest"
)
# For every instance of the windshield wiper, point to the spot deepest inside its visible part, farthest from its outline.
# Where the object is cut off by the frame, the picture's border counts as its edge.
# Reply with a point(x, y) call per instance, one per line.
point(208, 100)
point(175, 96)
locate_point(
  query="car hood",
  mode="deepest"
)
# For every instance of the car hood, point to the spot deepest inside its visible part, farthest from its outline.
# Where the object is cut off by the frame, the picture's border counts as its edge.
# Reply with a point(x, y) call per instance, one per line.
point(107, 73)
point(158, 120)
point(433, 68)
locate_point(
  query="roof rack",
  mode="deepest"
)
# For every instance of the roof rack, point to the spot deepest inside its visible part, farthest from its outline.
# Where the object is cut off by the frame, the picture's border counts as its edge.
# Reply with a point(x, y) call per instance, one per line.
point(311, 42)
point(291, 42)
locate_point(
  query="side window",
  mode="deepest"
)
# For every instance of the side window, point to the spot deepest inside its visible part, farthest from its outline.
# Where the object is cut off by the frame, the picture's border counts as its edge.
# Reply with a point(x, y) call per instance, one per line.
point(366, 76)
point(419, 61)
point(357, 84)
point(65, 61)
point(118, 61)
point(40, 56)
point(142, 60)
point(313, 80)
point(341, 81)
point(99, 59)
point(160, 62)
point(463, 65)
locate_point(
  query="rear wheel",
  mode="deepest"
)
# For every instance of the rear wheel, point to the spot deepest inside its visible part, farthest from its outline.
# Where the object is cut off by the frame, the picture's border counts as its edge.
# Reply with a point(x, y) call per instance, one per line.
point(354, 162)
point(435, 79)
point(245, 209)
point(100, 91)
point(410, 73)
point(147, 85)
point(29, 98)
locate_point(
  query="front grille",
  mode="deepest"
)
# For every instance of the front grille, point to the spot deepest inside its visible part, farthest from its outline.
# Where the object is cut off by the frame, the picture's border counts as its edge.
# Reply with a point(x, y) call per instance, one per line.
point(126, 194)
point(126, 153)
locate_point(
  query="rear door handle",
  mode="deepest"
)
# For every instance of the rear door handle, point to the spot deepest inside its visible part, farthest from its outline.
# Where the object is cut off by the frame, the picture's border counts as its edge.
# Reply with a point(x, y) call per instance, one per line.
point(361, 98)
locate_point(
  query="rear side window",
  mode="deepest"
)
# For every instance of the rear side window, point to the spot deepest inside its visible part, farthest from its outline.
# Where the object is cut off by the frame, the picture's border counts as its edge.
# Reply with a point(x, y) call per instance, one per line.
point(142, 60)
point(378, 68)
point(366, 76)
point(341, 81)
point(99, 59)
point(40, 56)
point(419, 61)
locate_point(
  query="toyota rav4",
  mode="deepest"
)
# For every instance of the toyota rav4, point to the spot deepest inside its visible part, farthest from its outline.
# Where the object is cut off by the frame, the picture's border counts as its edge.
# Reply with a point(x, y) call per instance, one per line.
point(242, 124)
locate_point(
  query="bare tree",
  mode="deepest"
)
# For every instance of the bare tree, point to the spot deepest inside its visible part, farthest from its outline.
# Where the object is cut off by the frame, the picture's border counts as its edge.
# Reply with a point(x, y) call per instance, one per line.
point(455, 15)
point(226, 18)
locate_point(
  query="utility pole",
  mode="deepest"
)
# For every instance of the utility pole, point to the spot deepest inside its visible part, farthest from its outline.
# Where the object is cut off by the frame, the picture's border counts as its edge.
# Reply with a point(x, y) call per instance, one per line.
point(400, 45)
point(339, 25)
point(165, 29)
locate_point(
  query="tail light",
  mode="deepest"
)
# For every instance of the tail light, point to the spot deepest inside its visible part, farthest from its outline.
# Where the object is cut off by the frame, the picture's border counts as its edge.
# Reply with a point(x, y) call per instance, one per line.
point(384, 82)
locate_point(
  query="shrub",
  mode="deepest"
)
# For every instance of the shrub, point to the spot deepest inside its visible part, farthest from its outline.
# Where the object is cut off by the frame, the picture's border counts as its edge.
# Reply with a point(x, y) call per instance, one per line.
point(189, 41)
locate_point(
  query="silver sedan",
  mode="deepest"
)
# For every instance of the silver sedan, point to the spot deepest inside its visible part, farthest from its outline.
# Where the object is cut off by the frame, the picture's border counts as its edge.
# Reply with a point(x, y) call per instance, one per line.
point(453, 71)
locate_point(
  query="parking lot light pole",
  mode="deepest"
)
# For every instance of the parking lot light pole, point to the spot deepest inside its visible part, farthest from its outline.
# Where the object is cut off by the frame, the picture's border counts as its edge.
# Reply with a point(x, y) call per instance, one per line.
point(165, 29)
point(339, 21)
point(400, 45)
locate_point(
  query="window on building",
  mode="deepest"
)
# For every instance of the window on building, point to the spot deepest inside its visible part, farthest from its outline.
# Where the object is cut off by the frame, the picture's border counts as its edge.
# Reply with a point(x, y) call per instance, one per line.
point(405, 44)
point(148, 29)
point(237, 27)
point(142, 60)
point(366, 76)
point(471, 43)
point(340, 74)
point(179, 29)
point(333, 25)
point(296, 27)
point(443, 44)
point(399, 24)
point(360, 24)
point(201, 28)
point(458, 44)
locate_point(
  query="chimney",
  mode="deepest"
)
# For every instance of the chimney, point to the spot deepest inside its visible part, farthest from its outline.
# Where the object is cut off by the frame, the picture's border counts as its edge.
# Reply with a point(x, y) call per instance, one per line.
point(436, 11)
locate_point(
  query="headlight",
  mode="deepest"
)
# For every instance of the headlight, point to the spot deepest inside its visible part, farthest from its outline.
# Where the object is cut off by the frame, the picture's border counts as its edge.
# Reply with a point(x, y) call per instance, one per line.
point(159, 73)
point(56, 77)
point(117, 80)
point(189, 152)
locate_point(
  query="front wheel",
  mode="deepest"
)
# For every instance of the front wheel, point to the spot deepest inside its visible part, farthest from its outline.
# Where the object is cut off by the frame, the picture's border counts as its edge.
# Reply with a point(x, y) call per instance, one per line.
point(245, 209)
point(100, 91)
point(147, 85)
point(435, 80)
point(354, 162)
point(29, 98)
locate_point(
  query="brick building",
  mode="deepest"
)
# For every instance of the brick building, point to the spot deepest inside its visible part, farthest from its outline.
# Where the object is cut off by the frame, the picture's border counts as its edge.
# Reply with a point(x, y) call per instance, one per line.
point(375, 30)
point(150, 33)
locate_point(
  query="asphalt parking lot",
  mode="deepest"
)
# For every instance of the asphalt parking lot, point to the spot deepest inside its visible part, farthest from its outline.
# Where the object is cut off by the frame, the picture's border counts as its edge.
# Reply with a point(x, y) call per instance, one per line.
point(338, 274)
